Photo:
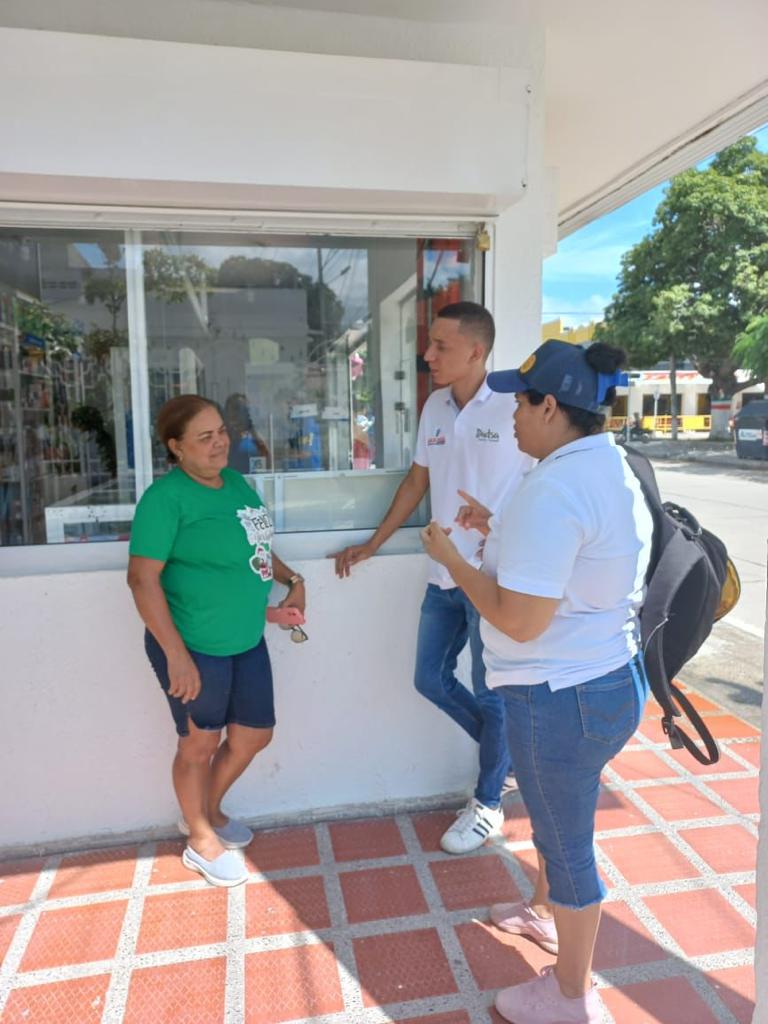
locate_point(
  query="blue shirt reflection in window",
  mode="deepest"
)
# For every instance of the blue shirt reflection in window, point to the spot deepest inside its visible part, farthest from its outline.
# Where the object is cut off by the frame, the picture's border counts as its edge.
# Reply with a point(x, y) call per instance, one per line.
point(247, 451)
point(305, 444)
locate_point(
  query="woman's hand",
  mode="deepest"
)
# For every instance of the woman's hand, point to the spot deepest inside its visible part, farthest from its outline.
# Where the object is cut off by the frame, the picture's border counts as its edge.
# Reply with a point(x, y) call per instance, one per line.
point(183, 676)
point(296, 597)
point(473, 515)
point(437, 543)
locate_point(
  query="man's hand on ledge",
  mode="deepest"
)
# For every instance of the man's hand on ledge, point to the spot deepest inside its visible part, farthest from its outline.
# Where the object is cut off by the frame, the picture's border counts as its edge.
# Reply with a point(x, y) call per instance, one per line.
point(351, 556)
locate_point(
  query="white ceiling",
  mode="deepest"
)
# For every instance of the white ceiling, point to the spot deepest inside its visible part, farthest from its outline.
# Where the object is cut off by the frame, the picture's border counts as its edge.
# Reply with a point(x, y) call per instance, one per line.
point(456, 11)
point(634, 91)
point(628, 84)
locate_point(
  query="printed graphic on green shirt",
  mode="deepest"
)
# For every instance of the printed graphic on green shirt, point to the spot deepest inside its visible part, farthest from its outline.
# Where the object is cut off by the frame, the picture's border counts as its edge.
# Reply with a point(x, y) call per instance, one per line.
point(258, 528)
point(216, 544)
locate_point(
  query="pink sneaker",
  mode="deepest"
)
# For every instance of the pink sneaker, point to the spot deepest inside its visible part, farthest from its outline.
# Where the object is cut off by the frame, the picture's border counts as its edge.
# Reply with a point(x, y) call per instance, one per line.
point(519, 919)
point(541, 1002)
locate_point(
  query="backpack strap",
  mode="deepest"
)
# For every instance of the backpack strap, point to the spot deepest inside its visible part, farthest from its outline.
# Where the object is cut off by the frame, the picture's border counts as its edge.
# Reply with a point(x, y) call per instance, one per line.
point(641, 466)
point(644, 475)
point(678, 738)
point(669, 696)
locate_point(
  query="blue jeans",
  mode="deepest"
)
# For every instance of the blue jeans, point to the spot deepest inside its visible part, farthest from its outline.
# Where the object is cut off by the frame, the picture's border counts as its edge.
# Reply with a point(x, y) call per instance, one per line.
point(448, 618)
point(562, 742)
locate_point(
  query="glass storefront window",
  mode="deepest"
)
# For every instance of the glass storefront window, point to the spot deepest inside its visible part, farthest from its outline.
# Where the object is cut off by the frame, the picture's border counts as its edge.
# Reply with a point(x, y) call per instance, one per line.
point(312, 346)
point(66, 469)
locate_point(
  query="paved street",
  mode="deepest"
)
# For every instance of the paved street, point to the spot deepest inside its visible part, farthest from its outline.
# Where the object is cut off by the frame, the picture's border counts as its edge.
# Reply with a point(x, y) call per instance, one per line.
point(733, 503)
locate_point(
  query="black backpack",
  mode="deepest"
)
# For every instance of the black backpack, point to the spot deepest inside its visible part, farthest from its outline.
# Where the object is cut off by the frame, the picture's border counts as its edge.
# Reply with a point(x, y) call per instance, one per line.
point(691, 583)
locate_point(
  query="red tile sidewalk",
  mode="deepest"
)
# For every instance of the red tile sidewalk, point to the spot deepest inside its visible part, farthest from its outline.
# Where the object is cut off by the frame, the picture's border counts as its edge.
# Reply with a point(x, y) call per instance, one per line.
point(366, 922)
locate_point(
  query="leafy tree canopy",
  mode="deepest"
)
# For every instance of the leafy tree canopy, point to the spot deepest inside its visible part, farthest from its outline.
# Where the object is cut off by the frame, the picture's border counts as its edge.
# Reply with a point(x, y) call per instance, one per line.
point(751, 348)
point(692, 286)
point(171, 276)
point(324, 309)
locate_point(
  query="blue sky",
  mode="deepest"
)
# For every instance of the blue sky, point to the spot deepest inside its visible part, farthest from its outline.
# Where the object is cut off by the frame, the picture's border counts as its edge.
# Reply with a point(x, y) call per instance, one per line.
point(580, 279)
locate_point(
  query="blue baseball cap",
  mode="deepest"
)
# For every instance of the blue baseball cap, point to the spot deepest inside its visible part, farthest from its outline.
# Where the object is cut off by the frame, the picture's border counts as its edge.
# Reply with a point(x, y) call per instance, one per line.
point(560, 368)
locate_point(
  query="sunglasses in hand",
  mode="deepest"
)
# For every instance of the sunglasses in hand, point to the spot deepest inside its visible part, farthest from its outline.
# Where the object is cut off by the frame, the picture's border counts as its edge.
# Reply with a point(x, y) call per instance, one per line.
point(288, 618)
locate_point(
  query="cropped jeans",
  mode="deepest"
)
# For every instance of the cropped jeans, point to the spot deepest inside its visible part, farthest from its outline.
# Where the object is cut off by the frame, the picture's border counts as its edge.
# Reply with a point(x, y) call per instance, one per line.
point(562, 740)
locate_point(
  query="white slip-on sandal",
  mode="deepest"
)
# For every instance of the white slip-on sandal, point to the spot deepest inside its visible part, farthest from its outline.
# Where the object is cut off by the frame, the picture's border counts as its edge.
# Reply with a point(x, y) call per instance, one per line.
point(234, 835)
point(227, 869)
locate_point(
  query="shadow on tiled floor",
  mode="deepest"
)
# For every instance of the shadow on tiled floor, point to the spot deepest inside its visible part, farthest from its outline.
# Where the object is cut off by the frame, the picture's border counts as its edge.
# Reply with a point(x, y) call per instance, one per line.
point(367, 921)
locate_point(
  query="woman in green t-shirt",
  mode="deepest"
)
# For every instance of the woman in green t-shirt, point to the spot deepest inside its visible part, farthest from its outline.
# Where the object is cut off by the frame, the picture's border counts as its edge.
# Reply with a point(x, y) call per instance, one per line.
point(201, 568)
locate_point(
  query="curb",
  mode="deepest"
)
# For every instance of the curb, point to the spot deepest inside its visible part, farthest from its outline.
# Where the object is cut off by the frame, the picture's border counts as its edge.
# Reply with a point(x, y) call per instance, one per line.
point(725, 463)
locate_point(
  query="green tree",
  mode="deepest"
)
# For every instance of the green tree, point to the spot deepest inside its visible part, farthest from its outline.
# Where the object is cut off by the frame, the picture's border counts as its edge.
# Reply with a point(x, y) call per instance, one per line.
point(254, 272)
point(175, 277)
point(324, 309)
point(106, 286)
point(38, 320)
point(690, 288)
point(679, 319)
point(751, 349)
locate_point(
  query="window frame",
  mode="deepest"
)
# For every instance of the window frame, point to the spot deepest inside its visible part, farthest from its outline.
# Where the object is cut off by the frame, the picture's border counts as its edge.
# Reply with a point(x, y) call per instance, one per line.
point(44, 559)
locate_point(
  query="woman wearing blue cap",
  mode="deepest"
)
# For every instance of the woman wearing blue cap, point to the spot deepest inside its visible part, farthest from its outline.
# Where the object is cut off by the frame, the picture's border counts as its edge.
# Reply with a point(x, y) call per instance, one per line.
point(559, 592)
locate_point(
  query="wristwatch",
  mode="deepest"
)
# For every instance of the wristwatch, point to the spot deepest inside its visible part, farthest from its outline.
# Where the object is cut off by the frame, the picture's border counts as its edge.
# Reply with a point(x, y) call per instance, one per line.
point(296, 578)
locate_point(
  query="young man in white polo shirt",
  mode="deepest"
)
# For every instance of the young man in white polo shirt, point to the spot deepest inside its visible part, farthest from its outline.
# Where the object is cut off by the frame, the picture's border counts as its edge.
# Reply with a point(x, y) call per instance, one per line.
point(466, 442)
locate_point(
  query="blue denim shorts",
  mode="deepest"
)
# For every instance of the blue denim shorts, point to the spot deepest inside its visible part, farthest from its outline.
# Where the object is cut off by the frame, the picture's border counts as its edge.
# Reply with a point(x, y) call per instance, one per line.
point(560, 741)
point(235, 690)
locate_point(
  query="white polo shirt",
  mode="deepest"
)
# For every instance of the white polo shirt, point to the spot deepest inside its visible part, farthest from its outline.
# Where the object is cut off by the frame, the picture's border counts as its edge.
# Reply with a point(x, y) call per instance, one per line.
point(473, 449)
point(578, 529)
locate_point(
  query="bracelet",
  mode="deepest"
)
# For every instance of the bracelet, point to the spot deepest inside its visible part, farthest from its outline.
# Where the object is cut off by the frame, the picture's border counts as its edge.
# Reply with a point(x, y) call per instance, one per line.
point(296, 578)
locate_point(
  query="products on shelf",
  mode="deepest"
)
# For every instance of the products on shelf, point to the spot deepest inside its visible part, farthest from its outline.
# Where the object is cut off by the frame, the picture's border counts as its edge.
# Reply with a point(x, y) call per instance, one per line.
point(41, 454)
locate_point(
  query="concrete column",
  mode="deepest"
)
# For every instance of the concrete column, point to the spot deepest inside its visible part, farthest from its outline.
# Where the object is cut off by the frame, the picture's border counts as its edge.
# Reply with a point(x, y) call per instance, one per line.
point(720, 410)
point(761, 944)
point(688, 403)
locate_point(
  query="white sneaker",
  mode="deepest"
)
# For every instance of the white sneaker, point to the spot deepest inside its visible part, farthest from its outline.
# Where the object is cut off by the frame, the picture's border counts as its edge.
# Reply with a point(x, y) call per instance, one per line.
point(474, 824)
point(509, 785)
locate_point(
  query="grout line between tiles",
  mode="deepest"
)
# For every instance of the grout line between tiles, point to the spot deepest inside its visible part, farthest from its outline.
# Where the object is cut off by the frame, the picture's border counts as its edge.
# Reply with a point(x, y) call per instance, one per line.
point(122, 965)
point(27, 925)
point(234, 985)
point(473, 1001)
point(341, 936)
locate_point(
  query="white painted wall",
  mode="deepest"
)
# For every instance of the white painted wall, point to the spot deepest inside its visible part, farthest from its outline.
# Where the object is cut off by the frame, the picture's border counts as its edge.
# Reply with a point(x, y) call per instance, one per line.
point(145, 110)
point(87, 738)
point(524, 232)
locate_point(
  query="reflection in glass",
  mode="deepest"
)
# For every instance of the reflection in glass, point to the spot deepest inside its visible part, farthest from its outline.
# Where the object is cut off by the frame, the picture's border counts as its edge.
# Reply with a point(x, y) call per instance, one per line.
point(312, 347)
point(66, 464)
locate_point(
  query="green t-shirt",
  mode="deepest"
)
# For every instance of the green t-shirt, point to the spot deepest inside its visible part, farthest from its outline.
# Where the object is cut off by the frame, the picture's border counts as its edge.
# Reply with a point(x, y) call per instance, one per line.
point(217, 549)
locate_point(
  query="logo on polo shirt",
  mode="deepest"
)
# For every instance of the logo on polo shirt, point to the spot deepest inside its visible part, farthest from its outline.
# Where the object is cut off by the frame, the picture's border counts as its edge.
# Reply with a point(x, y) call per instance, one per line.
point(437, 438)
point(486, 435)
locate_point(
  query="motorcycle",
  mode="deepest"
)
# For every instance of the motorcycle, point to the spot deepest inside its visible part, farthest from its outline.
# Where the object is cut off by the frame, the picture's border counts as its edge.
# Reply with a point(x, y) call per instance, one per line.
point(639, 434)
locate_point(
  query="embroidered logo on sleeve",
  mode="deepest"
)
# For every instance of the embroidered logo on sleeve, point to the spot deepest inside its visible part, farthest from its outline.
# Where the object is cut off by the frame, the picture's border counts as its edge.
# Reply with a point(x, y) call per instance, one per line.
point(437, 437)
point(258, 527)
